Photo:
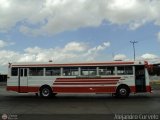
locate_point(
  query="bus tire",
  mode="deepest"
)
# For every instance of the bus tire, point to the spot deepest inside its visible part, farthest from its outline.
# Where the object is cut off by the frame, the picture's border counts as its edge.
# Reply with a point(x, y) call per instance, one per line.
point(36, 94)
point(45, 92)
point(122, 91)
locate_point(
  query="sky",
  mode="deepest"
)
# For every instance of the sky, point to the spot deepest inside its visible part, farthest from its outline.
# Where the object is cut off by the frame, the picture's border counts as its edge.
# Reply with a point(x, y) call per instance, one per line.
point(78, 30)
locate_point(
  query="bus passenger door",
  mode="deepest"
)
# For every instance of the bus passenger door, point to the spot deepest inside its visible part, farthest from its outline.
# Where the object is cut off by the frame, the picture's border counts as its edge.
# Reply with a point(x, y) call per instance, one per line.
point(23, 80)
point(140, 81)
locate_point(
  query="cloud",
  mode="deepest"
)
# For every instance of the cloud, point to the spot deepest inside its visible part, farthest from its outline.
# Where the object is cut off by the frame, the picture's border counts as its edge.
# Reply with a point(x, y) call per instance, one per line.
point(4, 43)
point(120, 57)
point(148, 56)
point(93, 51)
point(50, 17)
point(7, 56)
point(151, 58)
point(71, 52)
point(16, 11)
point(75, 46)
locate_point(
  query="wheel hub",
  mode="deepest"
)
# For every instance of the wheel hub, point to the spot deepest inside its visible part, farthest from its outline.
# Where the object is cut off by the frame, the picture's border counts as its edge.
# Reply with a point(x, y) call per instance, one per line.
point(123, 91)
point(45, 92)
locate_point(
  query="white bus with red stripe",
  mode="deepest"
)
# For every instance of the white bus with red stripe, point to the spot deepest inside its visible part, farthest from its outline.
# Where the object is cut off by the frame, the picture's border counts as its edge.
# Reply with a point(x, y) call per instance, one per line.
point(118, 77)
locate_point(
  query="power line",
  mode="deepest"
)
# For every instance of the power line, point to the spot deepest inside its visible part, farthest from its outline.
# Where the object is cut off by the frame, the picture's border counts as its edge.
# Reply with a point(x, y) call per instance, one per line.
point(133, 42)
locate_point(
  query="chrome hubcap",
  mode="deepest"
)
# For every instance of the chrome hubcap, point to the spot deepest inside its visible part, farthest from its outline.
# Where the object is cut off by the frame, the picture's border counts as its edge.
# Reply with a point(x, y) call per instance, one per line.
point(123, 91)
point(45, 92)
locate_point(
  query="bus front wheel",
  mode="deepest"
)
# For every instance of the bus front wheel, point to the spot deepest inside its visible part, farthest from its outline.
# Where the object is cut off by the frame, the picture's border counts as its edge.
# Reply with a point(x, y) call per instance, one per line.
point(122, 92)
point(45, 92)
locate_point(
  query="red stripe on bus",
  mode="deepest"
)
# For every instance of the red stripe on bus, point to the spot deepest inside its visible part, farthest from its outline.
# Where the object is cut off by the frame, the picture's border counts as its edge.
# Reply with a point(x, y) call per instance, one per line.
point(12, 88)
point(148, 89)
point(88, 78)
point(85, 83)
point(132, 89)
point(70, 80)
point(23, 89)
point(83, 89)
point(110, 89)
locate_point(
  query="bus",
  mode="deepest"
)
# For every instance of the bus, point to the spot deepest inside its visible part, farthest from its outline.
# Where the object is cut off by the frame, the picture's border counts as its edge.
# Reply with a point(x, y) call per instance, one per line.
point(119, 78)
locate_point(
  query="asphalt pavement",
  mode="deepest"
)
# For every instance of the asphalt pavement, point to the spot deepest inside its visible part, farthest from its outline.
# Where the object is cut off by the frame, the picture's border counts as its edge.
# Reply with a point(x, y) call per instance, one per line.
point(76, 106)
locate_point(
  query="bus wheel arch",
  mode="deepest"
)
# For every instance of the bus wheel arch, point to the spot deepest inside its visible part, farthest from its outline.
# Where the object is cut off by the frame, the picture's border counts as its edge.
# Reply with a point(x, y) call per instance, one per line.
point(45, 91)
point(122, 91)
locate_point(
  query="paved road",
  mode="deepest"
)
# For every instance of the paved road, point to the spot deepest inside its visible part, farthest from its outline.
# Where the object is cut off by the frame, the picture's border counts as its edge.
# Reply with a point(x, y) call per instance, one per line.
point(27, 104)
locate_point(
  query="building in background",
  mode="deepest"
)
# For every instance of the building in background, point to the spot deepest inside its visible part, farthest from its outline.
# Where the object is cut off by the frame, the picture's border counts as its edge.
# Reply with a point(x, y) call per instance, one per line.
point(3, 78)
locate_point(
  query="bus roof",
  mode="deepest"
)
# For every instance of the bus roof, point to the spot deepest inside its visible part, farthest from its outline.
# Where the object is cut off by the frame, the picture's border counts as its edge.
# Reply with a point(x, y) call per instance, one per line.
point(52, 64)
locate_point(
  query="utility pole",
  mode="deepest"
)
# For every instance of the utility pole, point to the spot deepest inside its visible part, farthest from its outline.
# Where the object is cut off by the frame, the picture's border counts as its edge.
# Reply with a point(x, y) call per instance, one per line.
point(133, 42)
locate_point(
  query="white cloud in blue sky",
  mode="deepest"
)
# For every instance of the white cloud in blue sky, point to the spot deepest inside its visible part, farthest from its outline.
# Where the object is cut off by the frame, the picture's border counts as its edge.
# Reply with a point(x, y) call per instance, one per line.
point(71, 52)
point(78, 30)
point(55, 16)
point(149, 56)
point(3, 44)
point(120, 57)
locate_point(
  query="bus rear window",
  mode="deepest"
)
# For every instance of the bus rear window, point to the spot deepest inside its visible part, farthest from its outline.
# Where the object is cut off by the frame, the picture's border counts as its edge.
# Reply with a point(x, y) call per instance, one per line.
point(14, 72)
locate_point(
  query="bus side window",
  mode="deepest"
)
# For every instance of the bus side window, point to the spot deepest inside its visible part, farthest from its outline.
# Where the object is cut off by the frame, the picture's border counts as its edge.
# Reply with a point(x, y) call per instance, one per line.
point(88, 71)
point(14, 72)
point(25, 72)
point(53, 71)
point(70, 71)
point(129, 70)
point(125, 70)
point(21, 72)
point(36, 71)
point(109, 70)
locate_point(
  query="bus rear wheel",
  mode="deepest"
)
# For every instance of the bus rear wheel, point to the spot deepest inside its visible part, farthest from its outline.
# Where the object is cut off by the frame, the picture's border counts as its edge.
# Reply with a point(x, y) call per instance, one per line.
point(45, 92)
point(122, 92)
